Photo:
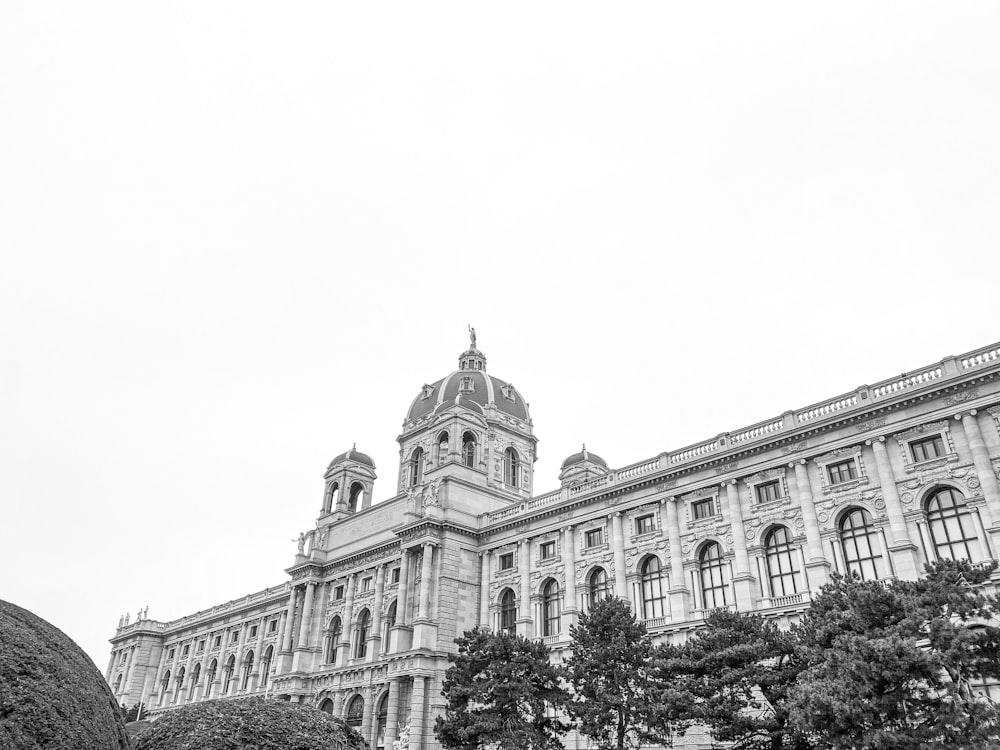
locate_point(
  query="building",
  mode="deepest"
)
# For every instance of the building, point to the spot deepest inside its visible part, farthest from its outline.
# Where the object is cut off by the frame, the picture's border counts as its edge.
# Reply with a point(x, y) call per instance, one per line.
point(875, 481)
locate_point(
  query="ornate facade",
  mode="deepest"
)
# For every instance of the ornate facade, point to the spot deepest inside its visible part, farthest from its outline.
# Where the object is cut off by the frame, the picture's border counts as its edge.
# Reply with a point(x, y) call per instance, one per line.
point(876, 481)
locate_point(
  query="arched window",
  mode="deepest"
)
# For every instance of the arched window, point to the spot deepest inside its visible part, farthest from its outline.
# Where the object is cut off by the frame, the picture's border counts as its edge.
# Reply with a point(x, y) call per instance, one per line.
point(782, 565)
point(118, 683)
point(228, 674)
point(508, 613)
point(180, 678)
point(550, 608)
point(861, 545)
point(714, 576)
point(195, 677)
point(357, 493)
point(469, 449)
point(511, 467)
point(597, 586)
point(416, 467)
point(952, 530)
point(165, 686)
point(355, 711)
point(390, 623)
point(361, 641)
point(382, 713)
point(334, 489)
point(265, 666)
point(336, 631)
point(442, 448)
point(651, 588)
point(326, 706)
point(247, 669)
point(213, 668)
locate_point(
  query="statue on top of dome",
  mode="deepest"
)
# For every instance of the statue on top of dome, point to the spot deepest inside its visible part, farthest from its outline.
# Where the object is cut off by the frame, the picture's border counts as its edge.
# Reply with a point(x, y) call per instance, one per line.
point(472, 336)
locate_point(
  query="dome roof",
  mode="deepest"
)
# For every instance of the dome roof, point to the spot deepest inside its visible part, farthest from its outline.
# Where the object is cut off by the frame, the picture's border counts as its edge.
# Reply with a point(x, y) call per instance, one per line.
point(471, 387)
point(584, 455)
point(353, 455)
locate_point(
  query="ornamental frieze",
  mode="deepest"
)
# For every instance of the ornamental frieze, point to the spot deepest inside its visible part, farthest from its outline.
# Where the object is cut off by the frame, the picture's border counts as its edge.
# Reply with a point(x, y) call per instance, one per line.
point(871, 424)
point(795, 447)
point(920, 429)
point(960, 397)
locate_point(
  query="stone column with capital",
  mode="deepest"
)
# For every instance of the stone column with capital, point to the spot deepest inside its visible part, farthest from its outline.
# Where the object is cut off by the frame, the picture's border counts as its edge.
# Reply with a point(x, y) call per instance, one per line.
point(302, 642)
point(984, 471)
point(679, 594)
point(366, 717)
point(817, 565)
point(375, 635)
point(401, 634)
point(484, 588)
point(903, 551)
point(258, 655)
point(424, 627)
point(285, 656)
point(237, 681)
point(188, 689)
point(525, 623)
point(618, 543)
point(570, 608)
point(743, 579)
point(347, 626)
point(418, 740)
point(392, 713)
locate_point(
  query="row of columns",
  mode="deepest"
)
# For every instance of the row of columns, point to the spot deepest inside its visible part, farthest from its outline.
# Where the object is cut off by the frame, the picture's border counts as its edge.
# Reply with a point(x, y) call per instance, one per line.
point(418, 709)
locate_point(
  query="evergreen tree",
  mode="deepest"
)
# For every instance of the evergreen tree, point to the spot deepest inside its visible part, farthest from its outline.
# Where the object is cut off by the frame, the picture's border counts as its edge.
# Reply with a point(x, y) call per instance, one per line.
point(503, 693)
point(615, 699)
point(892, 667)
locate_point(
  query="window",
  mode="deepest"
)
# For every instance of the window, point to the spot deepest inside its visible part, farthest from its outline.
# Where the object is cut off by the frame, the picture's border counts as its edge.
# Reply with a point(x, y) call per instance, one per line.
point(511, 467)
point(355, 711)
point(195, 677)
point(170, 653)
point(507, 561)
point(336, 630)
point(366, 584)
point(782, 568)
point(644, 524)
point(228, 674)
point(394, 576)
point(442, 448)
point(218, 641)
point(861, 545)
point(253, 631)
point(550, 608)
point(508, 613)
point(234, 637)
point(593, 537)
point(247, 670)
point(597, 586)
point(272, 627)
point(651, 588)
point(124, 656)
point(265, 666)
point(950, 522)
point(547, 550)
point(186, 650)
point(843, 471)
point(416, 467)
point(469, 449)
point(388, 625)
point(201, 646)
point(382, 720)
point(357, 493)
point(926, 449)
point(118, 683)
point(361, 642)
point(703, 509)
point(338, 593)
point(768, 491)
point(714, 574)
point(212, 669)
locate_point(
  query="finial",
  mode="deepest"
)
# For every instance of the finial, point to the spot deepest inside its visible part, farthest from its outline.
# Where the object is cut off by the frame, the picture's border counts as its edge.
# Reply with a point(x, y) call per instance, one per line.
point(472, 336)
point(585, 456)
point(354, 446)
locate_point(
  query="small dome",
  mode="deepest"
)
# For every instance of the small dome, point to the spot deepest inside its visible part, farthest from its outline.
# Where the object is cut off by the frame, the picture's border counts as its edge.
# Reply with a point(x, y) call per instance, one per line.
point(353, 455)
point(584, 455)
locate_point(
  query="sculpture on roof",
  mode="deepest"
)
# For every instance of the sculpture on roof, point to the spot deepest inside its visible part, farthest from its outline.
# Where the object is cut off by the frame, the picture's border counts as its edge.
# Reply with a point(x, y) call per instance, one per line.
point(472, 336)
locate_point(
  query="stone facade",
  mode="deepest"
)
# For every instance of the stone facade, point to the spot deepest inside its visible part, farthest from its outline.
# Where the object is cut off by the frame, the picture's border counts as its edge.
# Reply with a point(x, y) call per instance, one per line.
point(878, 481)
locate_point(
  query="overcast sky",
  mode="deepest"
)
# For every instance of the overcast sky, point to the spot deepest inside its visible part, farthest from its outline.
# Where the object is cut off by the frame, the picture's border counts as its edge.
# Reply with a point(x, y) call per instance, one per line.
point(238, 237)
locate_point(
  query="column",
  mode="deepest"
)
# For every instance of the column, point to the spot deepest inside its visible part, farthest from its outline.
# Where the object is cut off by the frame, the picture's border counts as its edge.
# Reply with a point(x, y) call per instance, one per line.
point(484, 588)
point(903, 551)
point(570, 607)
point(348, 624)
point(618, 541)
point(188, 687)
point(258, 654)
point(237, 682)
point(403, 597)
point(130, 669)
point(366, 717)
point(417, 713)
point(286, 635)
point(525, 622)
point(276, 655)
point(817, 566)
point(299, 661)
point(678, 593)
point(424, 602)
point(375, 637)
point(743, 579)
point(984, 470)
point(392, 713)
point(157, 682)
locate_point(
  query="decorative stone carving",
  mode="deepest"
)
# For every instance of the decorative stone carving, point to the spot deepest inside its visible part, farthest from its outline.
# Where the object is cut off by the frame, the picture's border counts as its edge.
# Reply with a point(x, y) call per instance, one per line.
point(961, 397)
point(871, 424)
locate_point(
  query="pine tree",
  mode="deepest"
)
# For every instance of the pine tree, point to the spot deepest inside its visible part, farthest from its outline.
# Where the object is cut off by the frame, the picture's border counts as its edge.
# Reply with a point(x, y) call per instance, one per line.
point(502, 692)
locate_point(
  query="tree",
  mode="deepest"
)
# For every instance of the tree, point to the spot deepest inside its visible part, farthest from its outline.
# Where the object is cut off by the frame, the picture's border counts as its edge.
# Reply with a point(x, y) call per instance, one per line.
point(249, 722)
point(737, 672)
point(893, 667)
point(502, 692)
point(614, 697)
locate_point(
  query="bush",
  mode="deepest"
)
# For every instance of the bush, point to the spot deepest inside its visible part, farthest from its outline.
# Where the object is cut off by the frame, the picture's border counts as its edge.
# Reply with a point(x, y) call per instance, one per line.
point(248, 723)
point(51, 694)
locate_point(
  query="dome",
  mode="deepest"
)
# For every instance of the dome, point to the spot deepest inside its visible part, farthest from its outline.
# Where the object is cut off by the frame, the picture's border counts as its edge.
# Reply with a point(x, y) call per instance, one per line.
point(471, 387)
point(353, 455)
point(584, 455)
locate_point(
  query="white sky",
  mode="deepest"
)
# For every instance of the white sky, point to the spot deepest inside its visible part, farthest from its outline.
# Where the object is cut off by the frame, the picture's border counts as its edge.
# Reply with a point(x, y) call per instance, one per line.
point(237, 237)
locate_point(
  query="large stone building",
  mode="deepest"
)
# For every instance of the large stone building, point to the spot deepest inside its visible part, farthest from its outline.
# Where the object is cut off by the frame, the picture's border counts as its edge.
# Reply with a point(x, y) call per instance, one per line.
point(876, 481)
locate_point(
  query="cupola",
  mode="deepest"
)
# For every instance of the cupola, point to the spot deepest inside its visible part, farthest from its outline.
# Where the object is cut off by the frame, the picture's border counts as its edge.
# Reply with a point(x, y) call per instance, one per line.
point(582, 467)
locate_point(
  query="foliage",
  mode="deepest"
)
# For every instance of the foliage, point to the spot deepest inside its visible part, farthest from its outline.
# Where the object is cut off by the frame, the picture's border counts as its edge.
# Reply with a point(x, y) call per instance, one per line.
point(501, 692)
point(51, 694)
point(737, 672)
point(614, 698)
point(891, 667)
point(248, 722)
point(132, 714)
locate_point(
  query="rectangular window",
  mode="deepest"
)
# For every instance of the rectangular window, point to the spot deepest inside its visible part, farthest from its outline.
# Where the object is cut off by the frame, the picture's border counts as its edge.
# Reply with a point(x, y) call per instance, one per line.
point(547, 550)
point(201, 646)
point(594, 537)
point(253, 631)
point(644, 524)
point(185, 650)
point(366, 584)
point(394, 578)
point(842, 471)
point(926, 449)
point(218, 641)
point(507, 561)
point(338, 593)
point(234, 637)
point(170, 654)
point(124, 656)
point(703, 509)
point(768, 491)
point(272, 626)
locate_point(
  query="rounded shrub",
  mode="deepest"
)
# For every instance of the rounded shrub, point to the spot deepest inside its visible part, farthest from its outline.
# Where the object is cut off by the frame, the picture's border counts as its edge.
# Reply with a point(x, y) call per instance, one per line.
point(248, 723)
point(52, 695)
